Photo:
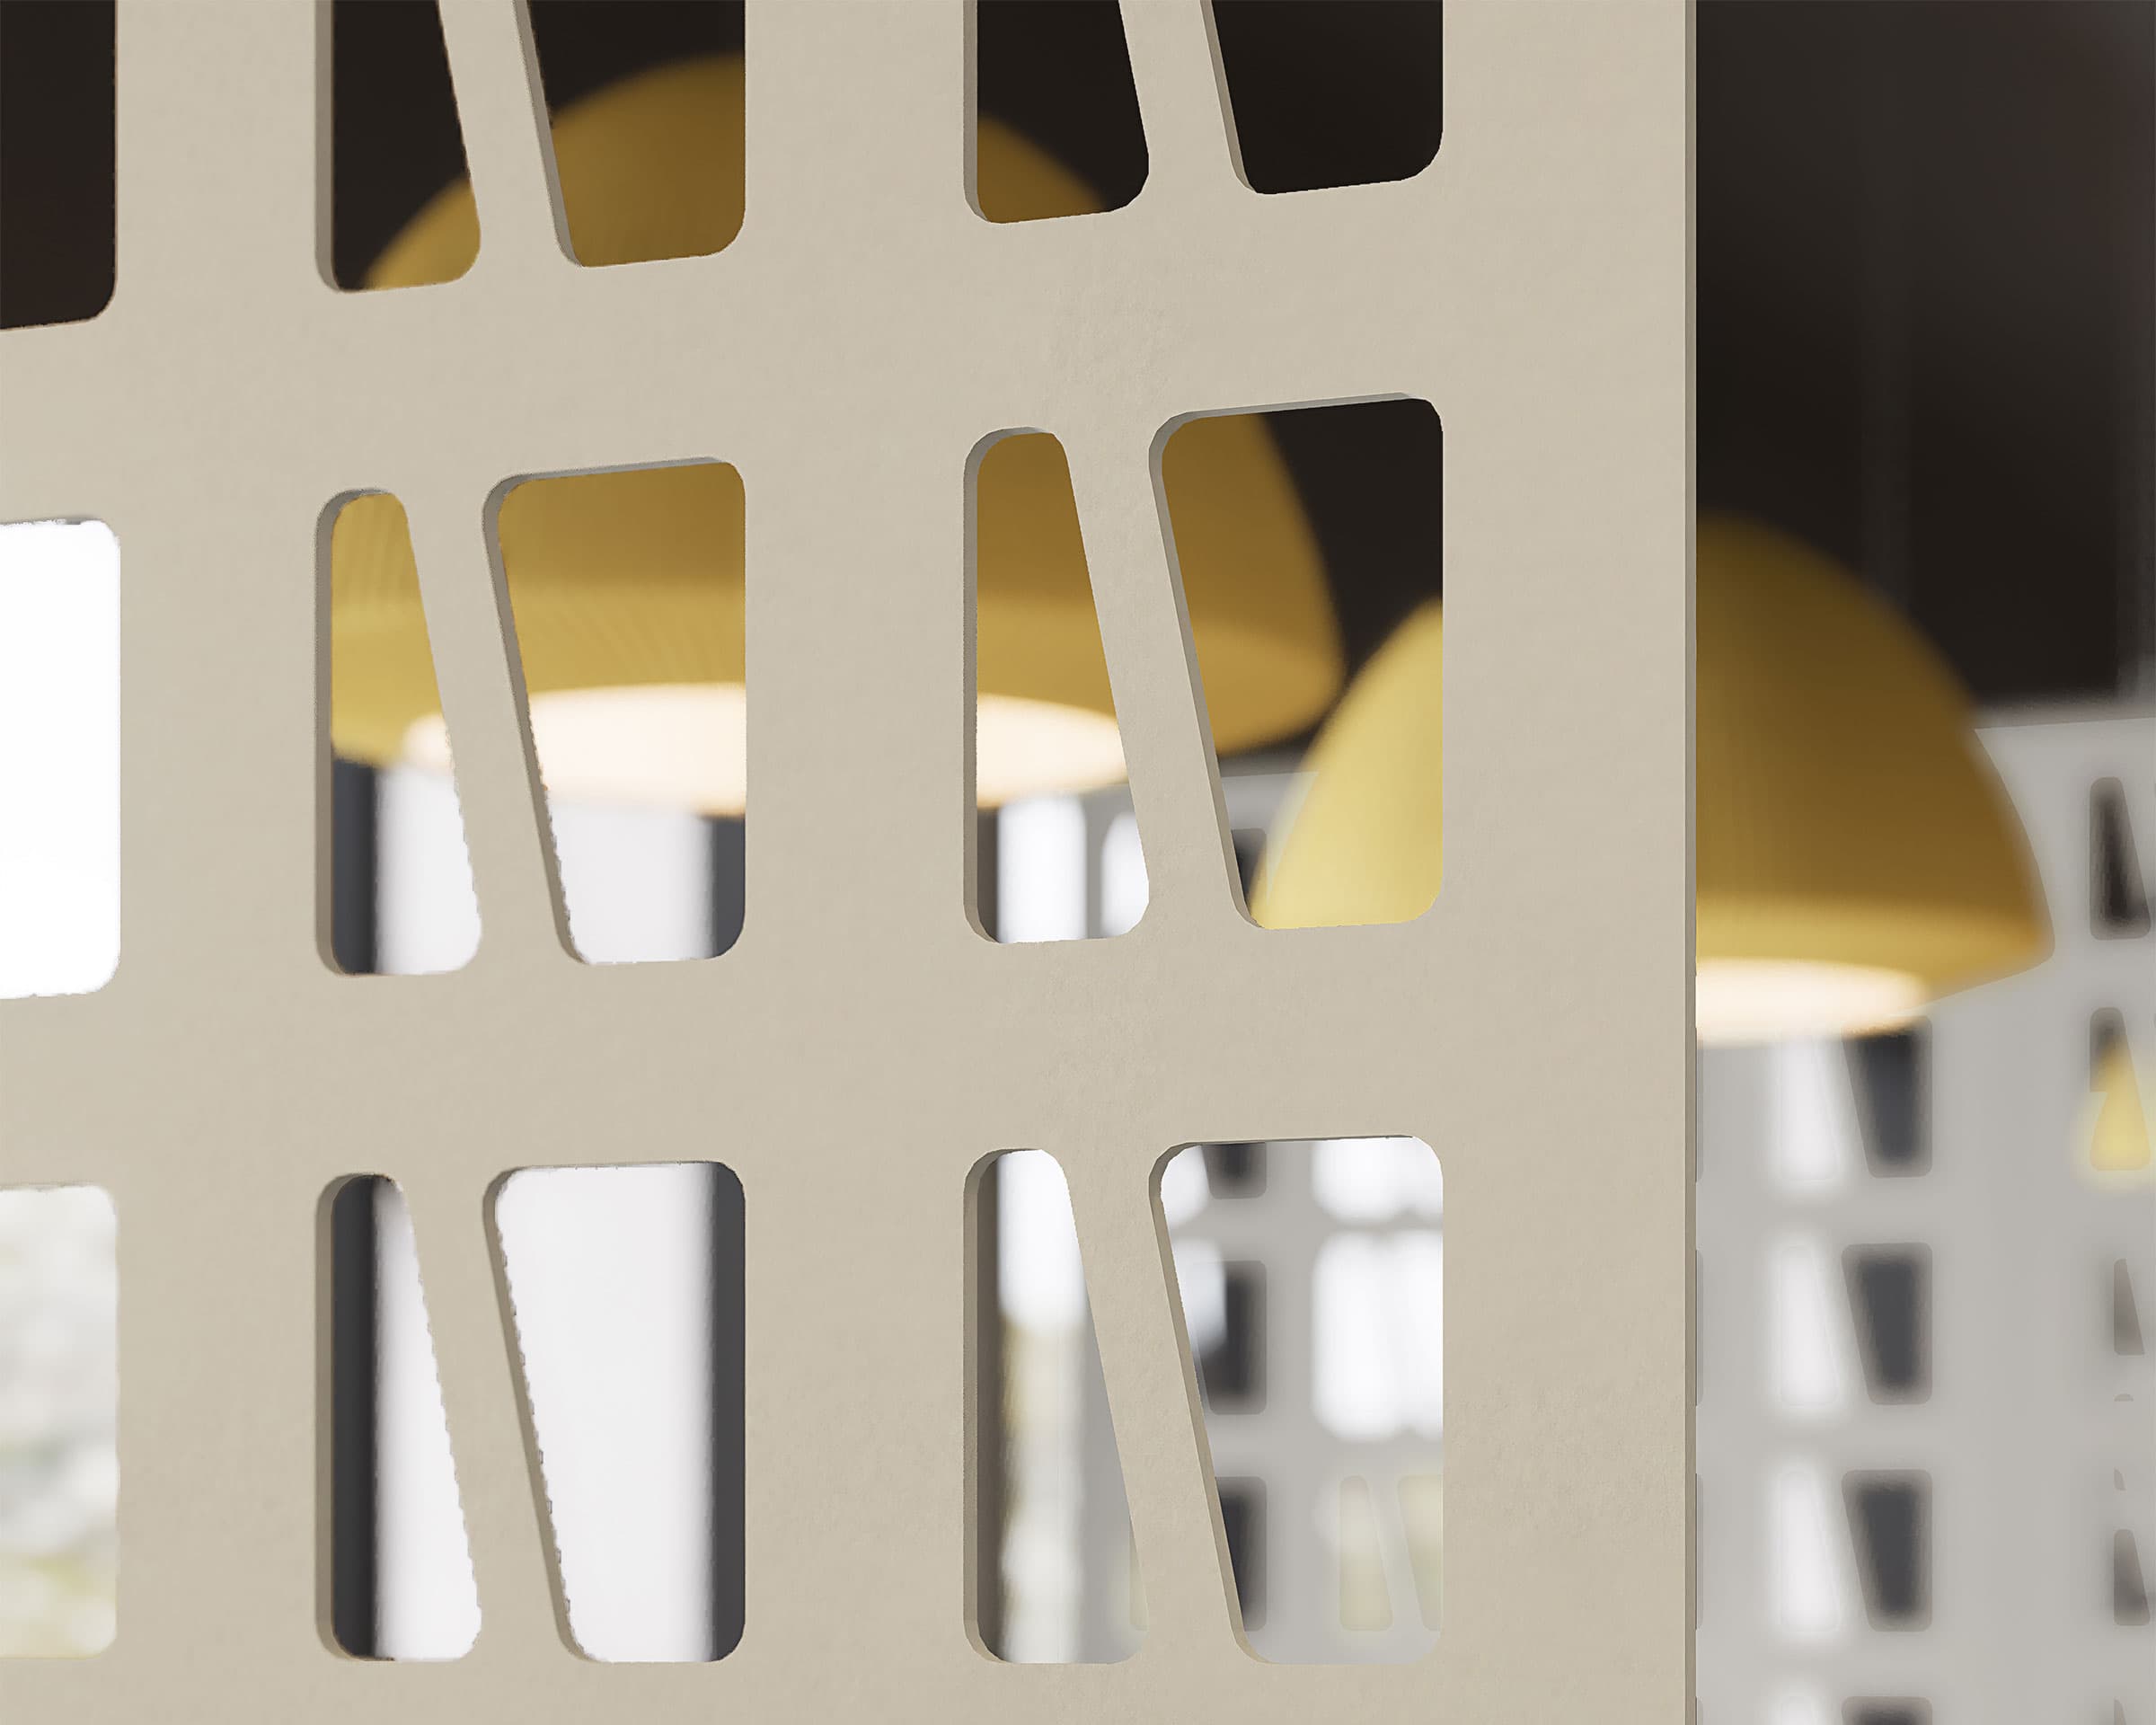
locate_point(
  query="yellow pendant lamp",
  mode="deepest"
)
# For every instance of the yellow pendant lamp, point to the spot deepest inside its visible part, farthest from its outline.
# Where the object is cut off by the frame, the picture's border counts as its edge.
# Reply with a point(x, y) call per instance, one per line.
point(1856, 856)
point(626, 587)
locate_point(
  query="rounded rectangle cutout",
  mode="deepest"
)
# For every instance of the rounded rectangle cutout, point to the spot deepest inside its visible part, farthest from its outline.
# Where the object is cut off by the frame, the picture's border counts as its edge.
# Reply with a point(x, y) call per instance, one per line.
point(625, 1285)
point(59, 757)
point(59, 1405)
point(1322, 94)
point(1308, 543)
point(57, 252)
point(398, 1570)
point(626, 588)
point(646, 107)
point(1310, 1279)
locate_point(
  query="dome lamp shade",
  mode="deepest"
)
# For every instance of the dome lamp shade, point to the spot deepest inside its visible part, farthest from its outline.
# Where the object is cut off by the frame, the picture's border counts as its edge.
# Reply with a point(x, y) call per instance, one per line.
point(1856, 856)
point(627, 586)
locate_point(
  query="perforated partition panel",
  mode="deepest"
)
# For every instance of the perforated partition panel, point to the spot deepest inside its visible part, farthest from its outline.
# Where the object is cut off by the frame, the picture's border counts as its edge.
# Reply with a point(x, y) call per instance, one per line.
point(862, 1047)
point(1936, 1500)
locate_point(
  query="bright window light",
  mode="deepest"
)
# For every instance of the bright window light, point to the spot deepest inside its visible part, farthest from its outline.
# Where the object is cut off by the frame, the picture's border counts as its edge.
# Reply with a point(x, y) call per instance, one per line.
point(59, 757)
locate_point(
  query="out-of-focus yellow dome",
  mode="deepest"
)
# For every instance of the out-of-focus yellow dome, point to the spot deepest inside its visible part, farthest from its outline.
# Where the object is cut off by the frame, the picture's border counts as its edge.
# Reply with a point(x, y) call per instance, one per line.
point(1856, 856)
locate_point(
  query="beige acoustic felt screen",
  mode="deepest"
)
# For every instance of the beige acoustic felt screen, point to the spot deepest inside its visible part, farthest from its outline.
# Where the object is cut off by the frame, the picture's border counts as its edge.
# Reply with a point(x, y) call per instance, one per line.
point(862, 1047)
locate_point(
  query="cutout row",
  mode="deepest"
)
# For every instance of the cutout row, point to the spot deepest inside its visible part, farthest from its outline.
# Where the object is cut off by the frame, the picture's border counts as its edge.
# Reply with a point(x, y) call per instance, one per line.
point(627, 593)
point(645, 107)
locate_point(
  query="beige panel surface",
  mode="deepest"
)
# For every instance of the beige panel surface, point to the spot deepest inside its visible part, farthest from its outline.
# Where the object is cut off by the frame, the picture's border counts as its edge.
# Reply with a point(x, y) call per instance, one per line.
point(862, 1047)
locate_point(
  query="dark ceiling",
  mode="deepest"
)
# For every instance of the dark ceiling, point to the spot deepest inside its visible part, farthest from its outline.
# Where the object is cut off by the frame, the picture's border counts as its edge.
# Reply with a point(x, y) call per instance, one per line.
point(1926, 251)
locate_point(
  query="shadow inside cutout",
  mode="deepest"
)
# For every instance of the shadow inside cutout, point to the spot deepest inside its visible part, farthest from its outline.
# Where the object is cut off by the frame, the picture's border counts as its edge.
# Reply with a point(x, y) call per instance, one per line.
point(402, 1585)
point(1332, 93)
point(56, 158)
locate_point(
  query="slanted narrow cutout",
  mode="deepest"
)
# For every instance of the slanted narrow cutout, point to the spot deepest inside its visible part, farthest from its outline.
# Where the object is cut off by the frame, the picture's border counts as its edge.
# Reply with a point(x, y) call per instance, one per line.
point(399, 1574)
point(2118, 891)
point(1890, 1074)
point(1057, 130)
point(59, 757)
point(2128, 1337)
point(2118, 1136)
point(1310, 1275)
point(1305, 539)
point(401, 897)
point(1890, 1528)
point(1807, 1580)
point(1890, 1295)
point(626, 588)
point(1054, 1578)
point(645, 101)
point(57, 246)
point(1332, 93)
point(59, 1467)
point(2129, 1585)
point(1809, 1374)
point(626, 1285)
point(399, 214)
point(1044, 732)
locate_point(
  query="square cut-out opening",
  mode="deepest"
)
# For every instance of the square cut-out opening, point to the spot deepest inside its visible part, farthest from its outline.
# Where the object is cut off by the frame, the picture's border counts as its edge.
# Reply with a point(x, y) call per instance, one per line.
point(57, 251)
point(59, 1406)
point(59, 757)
